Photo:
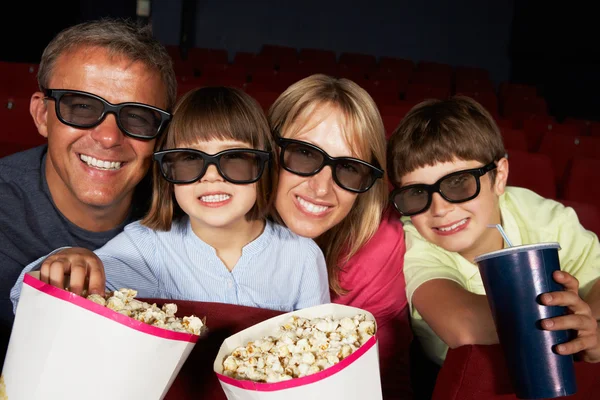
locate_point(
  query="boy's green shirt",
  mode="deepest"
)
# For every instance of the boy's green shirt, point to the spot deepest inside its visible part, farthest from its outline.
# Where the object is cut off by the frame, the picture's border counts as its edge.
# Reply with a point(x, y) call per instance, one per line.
point(527, 219)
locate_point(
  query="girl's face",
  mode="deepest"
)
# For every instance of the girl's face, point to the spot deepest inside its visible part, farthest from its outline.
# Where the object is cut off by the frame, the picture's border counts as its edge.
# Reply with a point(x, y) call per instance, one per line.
point(213, 202)
point(311, 205)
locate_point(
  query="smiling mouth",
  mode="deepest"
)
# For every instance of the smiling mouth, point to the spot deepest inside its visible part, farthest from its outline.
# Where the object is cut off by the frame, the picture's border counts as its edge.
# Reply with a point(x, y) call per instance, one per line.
point(310, 207)
point(215, 198)
point(101, 164)
point(453, 226)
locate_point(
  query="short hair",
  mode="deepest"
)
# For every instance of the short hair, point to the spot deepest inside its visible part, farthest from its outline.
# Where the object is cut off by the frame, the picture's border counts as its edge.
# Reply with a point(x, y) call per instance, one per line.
point(120, 37)
point(365, 134)
point(437, 131)
point(212, 113)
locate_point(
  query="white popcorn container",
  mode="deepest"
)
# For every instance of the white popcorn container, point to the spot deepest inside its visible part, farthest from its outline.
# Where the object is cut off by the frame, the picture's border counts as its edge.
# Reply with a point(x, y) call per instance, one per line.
point(355, 377)
point(65, 347)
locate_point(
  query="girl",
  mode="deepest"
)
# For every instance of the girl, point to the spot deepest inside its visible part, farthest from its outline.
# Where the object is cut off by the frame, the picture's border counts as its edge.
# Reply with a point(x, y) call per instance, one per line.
point(205, 237)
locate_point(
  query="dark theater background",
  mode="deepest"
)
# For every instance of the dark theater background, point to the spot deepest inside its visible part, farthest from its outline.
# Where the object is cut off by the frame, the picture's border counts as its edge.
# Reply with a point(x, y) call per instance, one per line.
point(532, 64)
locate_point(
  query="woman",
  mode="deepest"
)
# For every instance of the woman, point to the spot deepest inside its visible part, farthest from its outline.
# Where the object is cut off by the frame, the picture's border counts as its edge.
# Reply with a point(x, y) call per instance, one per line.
point(331, 188)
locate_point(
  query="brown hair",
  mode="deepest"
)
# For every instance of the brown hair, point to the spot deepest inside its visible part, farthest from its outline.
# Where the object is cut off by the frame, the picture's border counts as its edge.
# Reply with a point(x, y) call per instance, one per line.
point(364, 132)
point(120, 37)
point(437, 131)
point(212, 113)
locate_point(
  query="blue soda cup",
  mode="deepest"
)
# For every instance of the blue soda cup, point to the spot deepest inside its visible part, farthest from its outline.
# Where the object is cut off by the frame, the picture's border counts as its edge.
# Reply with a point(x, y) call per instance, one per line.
point(514, 278)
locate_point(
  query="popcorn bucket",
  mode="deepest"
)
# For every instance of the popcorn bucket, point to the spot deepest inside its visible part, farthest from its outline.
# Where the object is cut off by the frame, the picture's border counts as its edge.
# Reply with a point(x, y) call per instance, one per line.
point(64, 346)
point(354, 377)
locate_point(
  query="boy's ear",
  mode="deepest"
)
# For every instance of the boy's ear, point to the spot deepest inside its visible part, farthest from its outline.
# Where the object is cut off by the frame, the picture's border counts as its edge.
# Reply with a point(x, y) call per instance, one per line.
point(39, 111)
point(501, 176)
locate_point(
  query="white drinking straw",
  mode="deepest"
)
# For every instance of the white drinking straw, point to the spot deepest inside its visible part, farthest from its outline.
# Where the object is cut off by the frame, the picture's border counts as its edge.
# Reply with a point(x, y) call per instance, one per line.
point(501, 230)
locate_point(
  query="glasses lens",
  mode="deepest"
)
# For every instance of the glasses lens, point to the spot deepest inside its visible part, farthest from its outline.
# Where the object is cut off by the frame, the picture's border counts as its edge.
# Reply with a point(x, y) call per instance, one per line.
point(182, 166)
point(79, 109)
point(353, 175)
point(240, 166)
point(302, 159)
point(411, 200)
point(140, 121)
point(459, 187)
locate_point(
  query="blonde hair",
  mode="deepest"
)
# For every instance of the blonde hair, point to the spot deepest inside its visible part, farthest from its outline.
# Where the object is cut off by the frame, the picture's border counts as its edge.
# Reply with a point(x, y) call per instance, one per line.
point(212, 113)
point(437, 131)
point(364, 132)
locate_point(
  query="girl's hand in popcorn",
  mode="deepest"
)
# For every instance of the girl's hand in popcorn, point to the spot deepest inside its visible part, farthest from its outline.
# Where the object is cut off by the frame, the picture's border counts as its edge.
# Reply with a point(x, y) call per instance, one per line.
point(580, 319)
point(82, 265)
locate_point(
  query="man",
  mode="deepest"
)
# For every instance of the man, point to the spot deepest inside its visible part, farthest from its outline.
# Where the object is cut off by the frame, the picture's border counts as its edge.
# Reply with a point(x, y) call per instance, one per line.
point(80, 188)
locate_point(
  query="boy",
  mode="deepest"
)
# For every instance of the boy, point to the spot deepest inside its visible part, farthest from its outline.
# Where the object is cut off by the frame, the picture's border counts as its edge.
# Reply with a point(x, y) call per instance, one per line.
point(448, 163)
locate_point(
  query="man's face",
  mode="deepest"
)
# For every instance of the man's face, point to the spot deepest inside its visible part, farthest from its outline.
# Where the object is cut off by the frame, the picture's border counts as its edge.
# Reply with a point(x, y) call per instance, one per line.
point(97, 167)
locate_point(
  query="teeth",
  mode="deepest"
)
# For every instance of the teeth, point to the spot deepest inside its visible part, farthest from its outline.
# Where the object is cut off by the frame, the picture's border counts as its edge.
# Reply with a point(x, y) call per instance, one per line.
point(453, 226)
point(310, 207)
point(100, 164)
point(215, 198)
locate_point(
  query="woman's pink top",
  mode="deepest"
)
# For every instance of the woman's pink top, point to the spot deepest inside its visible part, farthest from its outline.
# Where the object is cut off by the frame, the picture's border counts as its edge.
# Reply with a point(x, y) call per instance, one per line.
point(375, 281)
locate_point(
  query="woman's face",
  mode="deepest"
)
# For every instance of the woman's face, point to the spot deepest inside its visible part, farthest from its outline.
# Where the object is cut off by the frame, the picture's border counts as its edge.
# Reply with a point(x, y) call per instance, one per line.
point(311, 205)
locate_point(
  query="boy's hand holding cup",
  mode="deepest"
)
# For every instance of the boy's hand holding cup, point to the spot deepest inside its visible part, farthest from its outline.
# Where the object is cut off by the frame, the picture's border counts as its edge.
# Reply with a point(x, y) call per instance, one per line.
point(516, 280)
point(580, 319)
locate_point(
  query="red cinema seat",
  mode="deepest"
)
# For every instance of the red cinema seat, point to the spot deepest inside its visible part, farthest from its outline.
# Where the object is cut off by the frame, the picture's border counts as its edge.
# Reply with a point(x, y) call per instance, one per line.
point(582, 181)
point(487, 99)
point(282, 56)
point(187, 83)
point(421, 91)
point(508, 89)
point(581, 124)
point(480, 373)
point(366, 61)
point(393, 68)
point(353, 72)
point(532, 171)
point(594, 129)
point(537, 127)
point(224, 74)
point(563, 148)
point(252, 62)
point(390, 123)
point(398, 109)
point(322, 56)
point(18, 126)
point(200, 56)
point(265, 99)
point(18, 79)
point(514, 139)
point(311, 67)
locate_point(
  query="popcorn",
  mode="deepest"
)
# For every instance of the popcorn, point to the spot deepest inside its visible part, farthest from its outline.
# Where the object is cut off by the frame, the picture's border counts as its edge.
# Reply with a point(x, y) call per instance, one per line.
point(301, 347)
point(123, 301)
point(3, 395)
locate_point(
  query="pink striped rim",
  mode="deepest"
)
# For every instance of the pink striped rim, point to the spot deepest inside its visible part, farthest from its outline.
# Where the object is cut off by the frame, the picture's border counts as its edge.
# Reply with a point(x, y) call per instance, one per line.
point(305, 380)
point(107, 312)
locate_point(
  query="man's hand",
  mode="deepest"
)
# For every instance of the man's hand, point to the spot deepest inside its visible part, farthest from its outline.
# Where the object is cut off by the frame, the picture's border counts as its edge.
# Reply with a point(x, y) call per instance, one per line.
point(579, 318)
point(84, 267)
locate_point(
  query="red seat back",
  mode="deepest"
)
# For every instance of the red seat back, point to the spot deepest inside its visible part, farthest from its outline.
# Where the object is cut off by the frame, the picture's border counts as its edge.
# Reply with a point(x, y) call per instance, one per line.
point(532, 171)
point(480, 373)
point(582, 181)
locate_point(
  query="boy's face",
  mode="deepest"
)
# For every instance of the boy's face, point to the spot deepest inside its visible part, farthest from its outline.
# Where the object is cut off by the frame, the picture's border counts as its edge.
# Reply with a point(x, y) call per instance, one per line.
point(461, 227)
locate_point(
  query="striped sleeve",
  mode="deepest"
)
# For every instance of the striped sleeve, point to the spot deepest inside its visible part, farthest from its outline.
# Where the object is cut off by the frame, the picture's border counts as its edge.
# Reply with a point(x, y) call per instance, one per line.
point(128, 260)
point(314, 286)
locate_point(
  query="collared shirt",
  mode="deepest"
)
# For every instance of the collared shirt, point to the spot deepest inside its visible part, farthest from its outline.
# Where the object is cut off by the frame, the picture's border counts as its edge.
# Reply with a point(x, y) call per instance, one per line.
point(279, 270)
point(30, 224)
point(527, 219)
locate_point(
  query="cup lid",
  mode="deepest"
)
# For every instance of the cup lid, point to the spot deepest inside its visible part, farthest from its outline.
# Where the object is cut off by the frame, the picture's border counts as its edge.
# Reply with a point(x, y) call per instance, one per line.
point(517, 249)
